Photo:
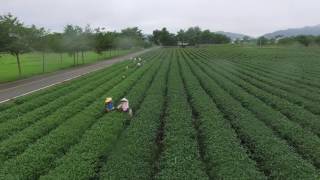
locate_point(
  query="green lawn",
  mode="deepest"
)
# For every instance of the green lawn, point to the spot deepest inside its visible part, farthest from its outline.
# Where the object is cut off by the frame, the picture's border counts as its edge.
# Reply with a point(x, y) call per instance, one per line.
point(31, 63)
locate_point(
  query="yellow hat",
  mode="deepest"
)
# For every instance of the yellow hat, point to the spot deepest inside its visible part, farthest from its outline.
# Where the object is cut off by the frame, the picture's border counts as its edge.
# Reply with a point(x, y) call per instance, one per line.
point(108, 99)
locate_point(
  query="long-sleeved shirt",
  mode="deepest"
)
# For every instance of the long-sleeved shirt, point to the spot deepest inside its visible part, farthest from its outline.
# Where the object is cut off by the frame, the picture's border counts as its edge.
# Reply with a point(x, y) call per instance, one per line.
point(124, 106)
point(109, 106)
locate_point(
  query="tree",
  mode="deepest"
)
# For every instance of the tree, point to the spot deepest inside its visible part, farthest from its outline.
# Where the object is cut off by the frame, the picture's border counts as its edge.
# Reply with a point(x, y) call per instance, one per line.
point(193, 35)
point(164, 37)
point(304, 40)
point(55, 43)
point(206, 37)
point(182, 36)
point(129, 38)
point(71, 37)
point(41, 43)
point(85, 41)
point(220, 39)
point(104, 41)
point(15, 37)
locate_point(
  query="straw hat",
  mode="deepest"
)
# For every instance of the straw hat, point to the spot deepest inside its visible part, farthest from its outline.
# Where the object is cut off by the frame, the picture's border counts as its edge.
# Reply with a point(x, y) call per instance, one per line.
point(108, 99)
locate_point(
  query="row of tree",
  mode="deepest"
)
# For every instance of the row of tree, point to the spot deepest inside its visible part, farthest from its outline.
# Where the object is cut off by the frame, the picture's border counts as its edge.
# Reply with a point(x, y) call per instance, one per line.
point(304, 40)
point(191, 36)
point(17, 38)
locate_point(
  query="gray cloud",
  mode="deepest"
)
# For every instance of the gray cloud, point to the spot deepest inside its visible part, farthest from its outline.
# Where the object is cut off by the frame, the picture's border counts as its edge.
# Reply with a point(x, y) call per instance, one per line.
point(253, 17)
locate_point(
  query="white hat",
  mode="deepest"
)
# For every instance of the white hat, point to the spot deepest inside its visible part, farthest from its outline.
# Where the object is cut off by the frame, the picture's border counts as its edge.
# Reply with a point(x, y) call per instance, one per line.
point(124, 100)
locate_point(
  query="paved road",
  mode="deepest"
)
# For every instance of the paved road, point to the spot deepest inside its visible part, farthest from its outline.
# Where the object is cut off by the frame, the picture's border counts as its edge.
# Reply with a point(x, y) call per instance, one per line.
point(23, 87)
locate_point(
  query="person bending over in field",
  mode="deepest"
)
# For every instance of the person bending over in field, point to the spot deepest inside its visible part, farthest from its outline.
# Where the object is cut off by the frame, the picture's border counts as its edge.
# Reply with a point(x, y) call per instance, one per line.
point(124, 106)
point(108, 104)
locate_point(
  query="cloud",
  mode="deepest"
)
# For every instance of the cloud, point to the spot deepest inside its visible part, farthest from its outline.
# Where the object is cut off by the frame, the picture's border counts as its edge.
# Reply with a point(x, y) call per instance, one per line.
point(253, 17)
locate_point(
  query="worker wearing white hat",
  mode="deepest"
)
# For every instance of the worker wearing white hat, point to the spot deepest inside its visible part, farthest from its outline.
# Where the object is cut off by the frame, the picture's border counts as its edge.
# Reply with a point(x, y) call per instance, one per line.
point(124, 106)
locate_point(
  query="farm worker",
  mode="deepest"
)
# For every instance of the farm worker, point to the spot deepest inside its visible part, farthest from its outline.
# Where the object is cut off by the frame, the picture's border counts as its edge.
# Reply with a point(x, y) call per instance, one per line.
point(108, 104)
point(127, 67)
point(123, 77)
point(138, 64)
point(124, 106)
point(140, 59)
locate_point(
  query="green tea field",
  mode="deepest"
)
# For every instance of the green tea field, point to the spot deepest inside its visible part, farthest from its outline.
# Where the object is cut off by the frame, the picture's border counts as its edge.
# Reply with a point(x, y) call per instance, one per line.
point(212, 112)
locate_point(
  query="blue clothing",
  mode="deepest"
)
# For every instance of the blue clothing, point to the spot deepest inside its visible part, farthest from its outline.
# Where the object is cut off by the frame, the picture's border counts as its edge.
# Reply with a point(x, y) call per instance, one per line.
point(109, 106)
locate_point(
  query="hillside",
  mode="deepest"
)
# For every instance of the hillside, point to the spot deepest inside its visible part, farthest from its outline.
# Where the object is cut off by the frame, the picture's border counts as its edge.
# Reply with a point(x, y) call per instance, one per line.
point(308, 30)
point(231, 35)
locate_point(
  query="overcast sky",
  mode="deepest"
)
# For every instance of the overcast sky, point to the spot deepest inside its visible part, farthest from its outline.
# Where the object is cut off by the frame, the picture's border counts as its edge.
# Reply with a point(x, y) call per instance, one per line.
point(252, 17)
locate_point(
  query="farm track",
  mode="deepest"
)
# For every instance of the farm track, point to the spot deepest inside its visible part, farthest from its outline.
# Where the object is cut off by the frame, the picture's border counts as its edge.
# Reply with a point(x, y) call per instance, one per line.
point(199, 113)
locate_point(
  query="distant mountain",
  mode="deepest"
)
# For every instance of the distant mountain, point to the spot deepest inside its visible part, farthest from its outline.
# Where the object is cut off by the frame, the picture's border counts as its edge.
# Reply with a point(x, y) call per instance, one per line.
point(308, 30)
point(231, 35)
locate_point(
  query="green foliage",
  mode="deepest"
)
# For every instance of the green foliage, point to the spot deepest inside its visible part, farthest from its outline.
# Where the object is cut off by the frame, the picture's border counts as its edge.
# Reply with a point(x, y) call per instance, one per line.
point(17, 38)
point(192, 36)
point(277, 159)
point(134, 152)
point(214, 112)
point(302, 39)
point(180, 158)
point(222, 149)
point(164, 37)
point(105, 132)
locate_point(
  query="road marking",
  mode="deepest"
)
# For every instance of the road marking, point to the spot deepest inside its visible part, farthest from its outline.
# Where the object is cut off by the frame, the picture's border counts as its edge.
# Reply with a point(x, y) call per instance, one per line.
point(96, 67)
point(42, 88)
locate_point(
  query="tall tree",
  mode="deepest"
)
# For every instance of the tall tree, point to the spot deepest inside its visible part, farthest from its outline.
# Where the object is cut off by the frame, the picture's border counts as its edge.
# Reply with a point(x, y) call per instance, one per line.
point(86, 41)
point(130, 37)
point(104, 41)
point(71, 37)
point(55, 43)
point(164, 37)
point(193, 34)
point(15, 38)
point(41, 43)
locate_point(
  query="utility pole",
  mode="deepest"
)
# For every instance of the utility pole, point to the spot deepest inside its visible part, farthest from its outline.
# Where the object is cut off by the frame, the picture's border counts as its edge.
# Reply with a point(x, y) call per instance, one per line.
point(260, 43)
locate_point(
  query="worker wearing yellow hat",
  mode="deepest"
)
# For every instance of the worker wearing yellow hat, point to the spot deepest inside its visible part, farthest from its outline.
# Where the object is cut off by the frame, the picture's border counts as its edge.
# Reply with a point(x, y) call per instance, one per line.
point(108, 104)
